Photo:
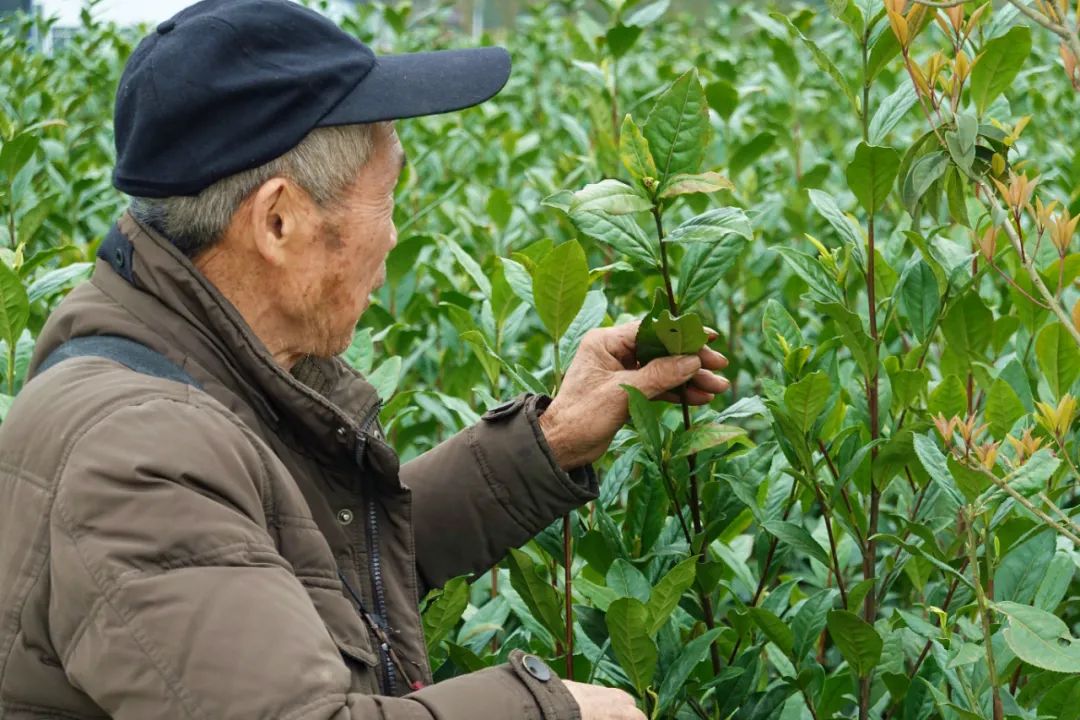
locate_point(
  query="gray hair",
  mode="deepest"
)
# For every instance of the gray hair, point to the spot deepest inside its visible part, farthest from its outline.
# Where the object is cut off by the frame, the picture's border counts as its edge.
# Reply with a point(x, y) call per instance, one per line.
point(325, 163)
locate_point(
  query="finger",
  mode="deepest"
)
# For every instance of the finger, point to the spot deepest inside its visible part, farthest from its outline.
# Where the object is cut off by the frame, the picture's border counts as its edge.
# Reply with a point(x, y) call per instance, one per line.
point(712, 360)
point(663, 374)
point(618, 341)
point(698, 397)
point(712, 334)
point(710, 382)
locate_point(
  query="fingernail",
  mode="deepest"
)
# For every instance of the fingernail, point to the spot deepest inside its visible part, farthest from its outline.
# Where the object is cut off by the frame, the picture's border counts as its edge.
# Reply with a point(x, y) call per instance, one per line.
point(689, 364)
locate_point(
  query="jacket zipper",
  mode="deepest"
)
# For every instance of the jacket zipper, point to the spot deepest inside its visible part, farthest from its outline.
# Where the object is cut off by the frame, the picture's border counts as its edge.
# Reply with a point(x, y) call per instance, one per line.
point(380, 597)
point(376, 563)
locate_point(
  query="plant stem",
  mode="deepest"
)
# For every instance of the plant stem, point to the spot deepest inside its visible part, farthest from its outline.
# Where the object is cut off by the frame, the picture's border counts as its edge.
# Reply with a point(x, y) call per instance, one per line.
point(11, 369)
point(568, 584)
point(1027, 504)
point(984, 614)
point(827, 517)
point(768, 565)
point(674, 499)
point(691, 460)
point(568, 547)
point(870, 551)
point(12, 240)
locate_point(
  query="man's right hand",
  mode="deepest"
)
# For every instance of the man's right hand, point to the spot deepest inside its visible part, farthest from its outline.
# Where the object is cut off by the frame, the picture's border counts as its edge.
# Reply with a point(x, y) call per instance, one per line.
point(601, 703)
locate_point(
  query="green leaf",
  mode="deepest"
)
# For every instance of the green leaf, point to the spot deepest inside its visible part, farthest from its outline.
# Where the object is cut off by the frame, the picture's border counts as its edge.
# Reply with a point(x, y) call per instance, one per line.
point(647, 14)
point(627, 621)
point(687, 184)
point(14, 306)
point(1055, 583)
point(385, 377)
point(667, 593)
point(891, 111)
point(621, 232)
point(826, 205)
point(744, 155)
point(620, 38)
point(884, 50)
point(539, 596)
point(809, 622)
point(777, 323)
point(590, 316)
point(682, 335)
point(692, 655)
point(924, 172)
point(704, 265)
point(805, 400)
point(1059, 358)
point(444, 612)
point(15, 153)
point(920, 299)
point(627, 581)
point(678, 128)
point(823, 61)
point(813, 274)
point(468, 264)
point(712, 226)
point(519, 280)
point(798, 538)
point(705, 436)
point(647, 342)
point(723, 97)
point(926, 449)
point(968, 327)
point(634, 151)
point(854, 335)
point(998, 64)
point(1029, 478)
point(856, 639)
point(1039, 638)
point(773, 628)
point(610, 196)
point(949, 398)
point(1003, 408)
point(961, 142)
point(871, 173)
point(57, 279)
point(1017, 576)
point(560, 283)
point(645, 420)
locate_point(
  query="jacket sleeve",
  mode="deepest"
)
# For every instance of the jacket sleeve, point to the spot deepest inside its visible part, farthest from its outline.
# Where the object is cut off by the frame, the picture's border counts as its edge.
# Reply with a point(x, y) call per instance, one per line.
point(489, 488)
point(168, 597)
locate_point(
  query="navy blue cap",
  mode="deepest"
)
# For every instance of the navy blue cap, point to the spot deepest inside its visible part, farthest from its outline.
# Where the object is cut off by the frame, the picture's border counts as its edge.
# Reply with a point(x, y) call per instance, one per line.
point(228, 85)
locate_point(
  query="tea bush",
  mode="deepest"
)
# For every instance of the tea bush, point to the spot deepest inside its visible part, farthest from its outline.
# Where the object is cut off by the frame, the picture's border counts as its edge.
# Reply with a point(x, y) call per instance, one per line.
point(874, 203)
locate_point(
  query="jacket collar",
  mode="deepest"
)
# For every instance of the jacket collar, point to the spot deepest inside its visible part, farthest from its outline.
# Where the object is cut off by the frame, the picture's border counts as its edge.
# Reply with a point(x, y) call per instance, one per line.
point(323, 401)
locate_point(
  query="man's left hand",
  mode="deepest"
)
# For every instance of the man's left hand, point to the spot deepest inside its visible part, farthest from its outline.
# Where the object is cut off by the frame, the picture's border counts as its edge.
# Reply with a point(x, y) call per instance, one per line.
point(591, 404)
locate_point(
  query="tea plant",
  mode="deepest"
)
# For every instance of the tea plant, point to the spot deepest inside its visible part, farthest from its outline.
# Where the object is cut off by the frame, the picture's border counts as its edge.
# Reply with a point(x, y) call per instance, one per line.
point(873, 202)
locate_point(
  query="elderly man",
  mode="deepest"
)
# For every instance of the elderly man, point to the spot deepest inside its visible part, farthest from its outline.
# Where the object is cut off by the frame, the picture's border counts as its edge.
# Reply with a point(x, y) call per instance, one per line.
point(199, 516)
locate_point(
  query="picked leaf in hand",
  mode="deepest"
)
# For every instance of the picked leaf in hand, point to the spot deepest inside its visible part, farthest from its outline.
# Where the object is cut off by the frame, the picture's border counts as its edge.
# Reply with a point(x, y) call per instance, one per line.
point(662, 333)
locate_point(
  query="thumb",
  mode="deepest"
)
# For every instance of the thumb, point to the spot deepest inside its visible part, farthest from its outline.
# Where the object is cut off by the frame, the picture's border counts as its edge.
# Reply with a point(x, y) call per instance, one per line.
point(663, 374)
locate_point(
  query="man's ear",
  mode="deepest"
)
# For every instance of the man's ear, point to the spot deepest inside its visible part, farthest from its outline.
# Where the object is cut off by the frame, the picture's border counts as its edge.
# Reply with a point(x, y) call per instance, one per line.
point(281, 219)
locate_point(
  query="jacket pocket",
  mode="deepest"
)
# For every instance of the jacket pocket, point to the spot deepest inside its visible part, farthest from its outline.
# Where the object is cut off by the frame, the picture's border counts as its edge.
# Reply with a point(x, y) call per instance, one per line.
point(344, 624)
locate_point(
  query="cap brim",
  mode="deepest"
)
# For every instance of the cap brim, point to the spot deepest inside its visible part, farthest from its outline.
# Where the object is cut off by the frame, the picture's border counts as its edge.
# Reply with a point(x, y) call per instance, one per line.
point(429, 83)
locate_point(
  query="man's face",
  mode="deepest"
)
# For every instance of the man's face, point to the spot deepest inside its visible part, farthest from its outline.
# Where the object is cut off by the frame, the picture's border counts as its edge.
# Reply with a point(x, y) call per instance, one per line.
point(346, 260)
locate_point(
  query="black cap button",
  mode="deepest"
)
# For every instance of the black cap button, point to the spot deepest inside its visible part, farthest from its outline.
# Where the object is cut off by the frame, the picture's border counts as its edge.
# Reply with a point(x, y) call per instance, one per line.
point(536, 667)
point(166, 26)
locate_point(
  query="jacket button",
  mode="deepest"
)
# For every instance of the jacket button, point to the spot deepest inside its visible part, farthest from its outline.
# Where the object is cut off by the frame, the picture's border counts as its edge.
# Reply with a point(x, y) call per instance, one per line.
point(344, 516)
point(536, 667)
point(342, 433)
